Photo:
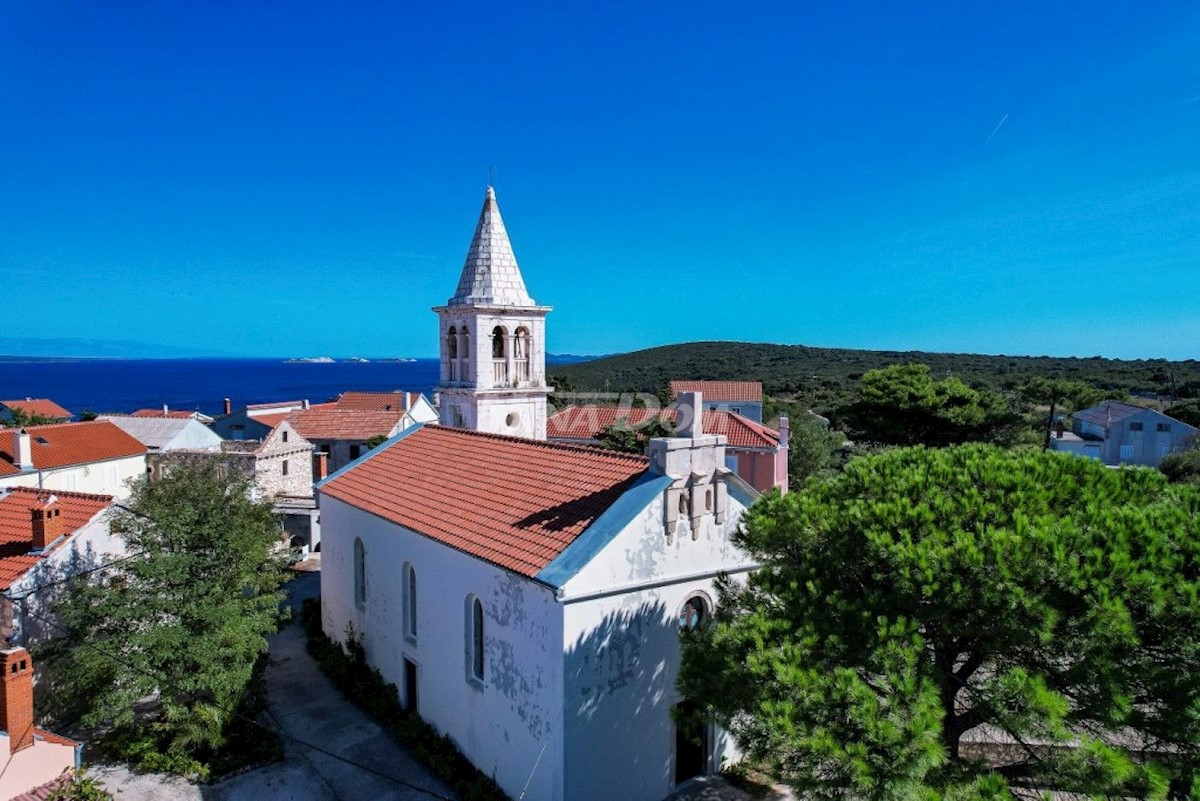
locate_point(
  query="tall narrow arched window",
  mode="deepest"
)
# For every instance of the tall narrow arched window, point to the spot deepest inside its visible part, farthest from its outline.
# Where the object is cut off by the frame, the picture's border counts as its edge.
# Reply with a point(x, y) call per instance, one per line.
point(521, 345)
point(452, 353)
point(499, 356)
point(410, 601)
point(465, 354)
point(360, 574)
point(476, 649)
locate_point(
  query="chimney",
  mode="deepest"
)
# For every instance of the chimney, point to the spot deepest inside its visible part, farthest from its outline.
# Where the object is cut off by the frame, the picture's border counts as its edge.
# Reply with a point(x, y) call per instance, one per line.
point(784, 432)
point(16, 697)
point(47, 523)
point(1059, 430)
point(166, 411)
point(407, 402)
point(304, 403)
point(228, 407)
point(320, 465)
point(689, 415)
point(22, 450)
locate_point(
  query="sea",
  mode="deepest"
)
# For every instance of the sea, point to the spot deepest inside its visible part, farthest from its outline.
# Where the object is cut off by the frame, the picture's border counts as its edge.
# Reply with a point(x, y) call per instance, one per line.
point(123, 385)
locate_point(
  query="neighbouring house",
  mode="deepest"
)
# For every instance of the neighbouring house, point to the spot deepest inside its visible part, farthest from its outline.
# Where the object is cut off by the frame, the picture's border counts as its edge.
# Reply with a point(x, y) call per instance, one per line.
point(755, 452)
point(42, 408)
point(281, 468)
point(257, 419)
point(35, 760)
point(414, 404)
point(1120, 433)
point(167, 433)
point(343, 434)
point(525, 596)
point(45, 537)
point(740, 397)
point(94, 456)
point(176, 414)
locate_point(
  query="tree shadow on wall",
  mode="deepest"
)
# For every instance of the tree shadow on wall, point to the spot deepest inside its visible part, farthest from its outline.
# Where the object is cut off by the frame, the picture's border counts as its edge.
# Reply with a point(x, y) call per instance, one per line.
point(619, 687)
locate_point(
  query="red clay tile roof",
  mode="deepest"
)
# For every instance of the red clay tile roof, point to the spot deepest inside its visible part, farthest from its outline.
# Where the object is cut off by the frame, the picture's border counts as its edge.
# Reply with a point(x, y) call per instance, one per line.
point(271, 420)
point(43, 791)
point(337, 423)
point(516, 503)
point(43, 407)
point(722, 391)
point(62, 444)
point(376, 401)
point(16, 531)
point(584, 422)
point(51, 737)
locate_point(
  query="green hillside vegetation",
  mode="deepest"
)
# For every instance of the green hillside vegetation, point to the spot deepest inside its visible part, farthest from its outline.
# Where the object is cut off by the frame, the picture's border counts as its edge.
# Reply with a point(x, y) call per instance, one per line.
point(826, 379)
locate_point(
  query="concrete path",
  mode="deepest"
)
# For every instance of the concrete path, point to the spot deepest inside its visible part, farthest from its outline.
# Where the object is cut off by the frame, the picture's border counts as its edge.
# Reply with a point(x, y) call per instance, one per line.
point(324, 730)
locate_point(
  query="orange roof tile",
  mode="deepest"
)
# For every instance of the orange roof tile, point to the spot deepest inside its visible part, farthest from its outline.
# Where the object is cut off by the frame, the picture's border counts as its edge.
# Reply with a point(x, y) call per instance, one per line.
point(16, 531)
point(62, 444)
point(338, 423)
point(43, 407)
point(376, 401)
point(585, 422)
point(516, 503)
point(722, 391)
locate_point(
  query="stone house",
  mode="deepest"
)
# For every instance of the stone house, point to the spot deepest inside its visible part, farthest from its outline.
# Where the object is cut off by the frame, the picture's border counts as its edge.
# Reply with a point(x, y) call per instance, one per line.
point(280, 467)
point(343, 435)
point(525, 596)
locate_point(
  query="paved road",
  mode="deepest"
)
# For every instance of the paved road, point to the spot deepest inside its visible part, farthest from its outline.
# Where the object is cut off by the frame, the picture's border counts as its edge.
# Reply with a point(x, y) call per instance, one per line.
point(306, 707)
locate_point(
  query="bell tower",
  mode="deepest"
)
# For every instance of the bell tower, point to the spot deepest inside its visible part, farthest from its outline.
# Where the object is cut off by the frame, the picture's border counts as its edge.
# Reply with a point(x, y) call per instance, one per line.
point(493, 340)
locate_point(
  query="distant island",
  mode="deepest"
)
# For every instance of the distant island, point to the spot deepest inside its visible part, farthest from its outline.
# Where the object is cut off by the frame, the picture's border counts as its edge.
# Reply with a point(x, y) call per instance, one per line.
point(311, 360)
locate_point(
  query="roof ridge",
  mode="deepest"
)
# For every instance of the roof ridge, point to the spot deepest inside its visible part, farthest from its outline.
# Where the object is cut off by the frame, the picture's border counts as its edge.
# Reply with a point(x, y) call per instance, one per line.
point(65, 424)
point(90, 496)
point(541, 443)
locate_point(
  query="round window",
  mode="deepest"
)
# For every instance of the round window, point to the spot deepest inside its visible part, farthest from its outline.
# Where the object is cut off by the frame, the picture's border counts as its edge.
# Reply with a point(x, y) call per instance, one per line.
point(512, 420)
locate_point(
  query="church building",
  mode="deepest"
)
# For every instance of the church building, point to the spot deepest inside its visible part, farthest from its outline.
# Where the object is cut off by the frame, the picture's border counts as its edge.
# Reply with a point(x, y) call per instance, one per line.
point(525, 596)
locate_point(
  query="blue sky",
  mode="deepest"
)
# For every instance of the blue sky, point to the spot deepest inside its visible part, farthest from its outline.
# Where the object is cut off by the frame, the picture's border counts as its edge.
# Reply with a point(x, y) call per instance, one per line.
point(301, 179)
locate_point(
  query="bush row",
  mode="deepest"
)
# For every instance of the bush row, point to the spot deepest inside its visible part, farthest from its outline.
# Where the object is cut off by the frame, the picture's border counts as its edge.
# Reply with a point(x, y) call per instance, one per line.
point(363, 684)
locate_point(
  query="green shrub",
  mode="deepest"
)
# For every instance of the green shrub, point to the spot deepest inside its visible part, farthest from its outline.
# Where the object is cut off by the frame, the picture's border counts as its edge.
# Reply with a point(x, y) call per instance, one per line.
point(1181, 467)
point(363, 684)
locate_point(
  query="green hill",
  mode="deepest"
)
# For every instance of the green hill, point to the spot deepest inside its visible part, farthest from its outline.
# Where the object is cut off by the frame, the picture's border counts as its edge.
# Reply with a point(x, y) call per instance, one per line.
point(824, 378)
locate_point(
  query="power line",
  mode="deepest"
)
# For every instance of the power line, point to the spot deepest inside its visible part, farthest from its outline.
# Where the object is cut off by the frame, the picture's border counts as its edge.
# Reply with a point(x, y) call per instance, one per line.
point(164, 683)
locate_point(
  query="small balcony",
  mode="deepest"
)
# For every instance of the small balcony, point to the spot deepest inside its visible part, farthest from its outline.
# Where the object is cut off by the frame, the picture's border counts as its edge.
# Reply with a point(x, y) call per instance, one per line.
point(522, 371)
point(500, 372)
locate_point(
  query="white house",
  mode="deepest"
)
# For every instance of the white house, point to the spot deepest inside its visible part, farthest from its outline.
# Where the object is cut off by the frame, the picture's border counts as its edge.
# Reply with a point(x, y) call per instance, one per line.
point(95, 457)
point(45, 536)
point(525, 596)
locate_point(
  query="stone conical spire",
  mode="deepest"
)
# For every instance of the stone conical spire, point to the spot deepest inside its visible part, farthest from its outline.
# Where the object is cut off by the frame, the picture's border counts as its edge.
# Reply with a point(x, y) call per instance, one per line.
point(491, 276)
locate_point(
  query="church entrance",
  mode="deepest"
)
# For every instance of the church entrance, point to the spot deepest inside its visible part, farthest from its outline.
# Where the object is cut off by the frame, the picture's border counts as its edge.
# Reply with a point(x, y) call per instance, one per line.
point(691, 746)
